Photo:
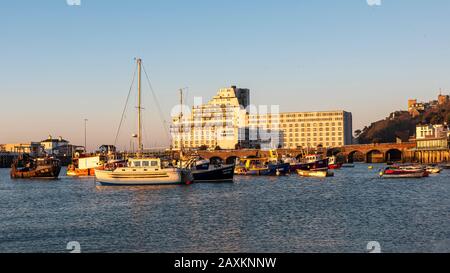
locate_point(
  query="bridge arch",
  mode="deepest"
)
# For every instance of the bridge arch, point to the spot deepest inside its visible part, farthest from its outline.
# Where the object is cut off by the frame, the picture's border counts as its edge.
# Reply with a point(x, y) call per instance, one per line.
point(334, 152)
point(394, 155)
point(231, 160)
point(216, 160)
point(375, 156)
point(355, 156)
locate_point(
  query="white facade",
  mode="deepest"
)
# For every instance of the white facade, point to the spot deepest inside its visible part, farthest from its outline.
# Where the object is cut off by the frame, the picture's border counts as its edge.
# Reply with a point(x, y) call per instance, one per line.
point(32, 148)
point(51, 145)
point(431, 131)
point(229, 119)
point(308, 129)
point(219, 123)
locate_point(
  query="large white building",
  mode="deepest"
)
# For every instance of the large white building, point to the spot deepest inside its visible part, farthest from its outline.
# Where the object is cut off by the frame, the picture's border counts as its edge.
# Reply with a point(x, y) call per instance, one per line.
point(229, 121)
point(219, 123)
point(306, 129)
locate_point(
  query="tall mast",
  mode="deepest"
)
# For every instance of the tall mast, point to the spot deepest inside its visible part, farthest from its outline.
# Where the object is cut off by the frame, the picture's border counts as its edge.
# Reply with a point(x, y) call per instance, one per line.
point(140, 147)
point(181, 127)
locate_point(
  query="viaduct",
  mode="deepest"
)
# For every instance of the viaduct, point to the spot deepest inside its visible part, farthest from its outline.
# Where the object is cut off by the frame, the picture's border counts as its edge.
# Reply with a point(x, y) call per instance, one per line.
point(370, 153)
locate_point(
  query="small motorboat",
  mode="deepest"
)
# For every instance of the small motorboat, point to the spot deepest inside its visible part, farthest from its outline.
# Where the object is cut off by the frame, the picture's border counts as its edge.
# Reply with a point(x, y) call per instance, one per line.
point(84, 166)
point(433, 169)
point(333, 164)
point(397, 172)
point(316, 173)
point(28, 167)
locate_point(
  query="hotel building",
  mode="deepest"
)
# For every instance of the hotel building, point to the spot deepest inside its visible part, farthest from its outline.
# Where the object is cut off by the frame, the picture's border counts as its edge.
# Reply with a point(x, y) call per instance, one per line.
point(307, 129)
point(219, 123)
point(229, 121)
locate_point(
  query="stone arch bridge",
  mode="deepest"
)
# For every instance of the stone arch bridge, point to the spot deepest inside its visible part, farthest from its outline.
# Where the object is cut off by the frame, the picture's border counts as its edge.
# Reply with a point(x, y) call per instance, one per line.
point(370, 153)
point(376, 153)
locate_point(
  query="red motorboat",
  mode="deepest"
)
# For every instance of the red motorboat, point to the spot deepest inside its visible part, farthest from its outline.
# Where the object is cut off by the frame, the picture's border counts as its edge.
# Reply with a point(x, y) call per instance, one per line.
point(399, 172)
point(333, 164)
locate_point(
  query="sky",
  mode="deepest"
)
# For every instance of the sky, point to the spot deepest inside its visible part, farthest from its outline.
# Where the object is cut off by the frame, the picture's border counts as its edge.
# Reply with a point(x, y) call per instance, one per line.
point(61, 64)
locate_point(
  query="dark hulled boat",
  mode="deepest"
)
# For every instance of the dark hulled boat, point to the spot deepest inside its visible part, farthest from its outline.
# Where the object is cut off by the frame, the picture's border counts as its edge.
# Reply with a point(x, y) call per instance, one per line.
point(315, 166)
point(28, 167)
point(313, 162)
point(204, 171)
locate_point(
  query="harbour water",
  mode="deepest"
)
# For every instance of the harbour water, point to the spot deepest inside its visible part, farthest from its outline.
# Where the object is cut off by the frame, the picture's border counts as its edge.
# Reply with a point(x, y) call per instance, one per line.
point(254, 214)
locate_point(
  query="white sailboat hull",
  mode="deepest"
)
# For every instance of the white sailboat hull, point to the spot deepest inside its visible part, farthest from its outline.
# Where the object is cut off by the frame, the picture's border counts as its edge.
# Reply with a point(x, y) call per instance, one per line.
point(130, 177)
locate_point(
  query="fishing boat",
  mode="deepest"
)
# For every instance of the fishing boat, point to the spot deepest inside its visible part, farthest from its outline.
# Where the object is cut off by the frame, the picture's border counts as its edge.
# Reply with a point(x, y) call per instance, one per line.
point(397, 172)
point(142, 170)
point(333, 164)
point(315, 165)
point(84, 166)
point(204, 171)
point(314, 162)
point(28, 167)
point(294, 163)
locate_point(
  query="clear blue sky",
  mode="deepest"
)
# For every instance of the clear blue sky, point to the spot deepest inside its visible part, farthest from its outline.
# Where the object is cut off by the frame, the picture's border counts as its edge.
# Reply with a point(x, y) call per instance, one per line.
point(60, 64)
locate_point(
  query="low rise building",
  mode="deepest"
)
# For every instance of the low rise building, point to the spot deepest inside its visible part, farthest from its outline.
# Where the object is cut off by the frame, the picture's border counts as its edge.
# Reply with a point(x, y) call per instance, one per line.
point(55, 146)
point(429, 137)
point(32, 148)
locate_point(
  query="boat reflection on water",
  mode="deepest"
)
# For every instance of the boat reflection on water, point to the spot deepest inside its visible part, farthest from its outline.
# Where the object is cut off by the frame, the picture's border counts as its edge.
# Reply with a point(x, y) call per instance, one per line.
point(101, 188)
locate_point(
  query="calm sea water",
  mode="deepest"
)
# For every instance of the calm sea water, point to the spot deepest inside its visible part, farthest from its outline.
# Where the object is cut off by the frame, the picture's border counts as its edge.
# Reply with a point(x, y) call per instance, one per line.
point(279, 214)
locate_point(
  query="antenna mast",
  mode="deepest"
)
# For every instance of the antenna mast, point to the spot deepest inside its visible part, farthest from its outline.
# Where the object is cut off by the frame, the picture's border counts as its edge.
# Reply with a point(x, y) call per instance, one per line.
point(181, 126)
point(140, 147)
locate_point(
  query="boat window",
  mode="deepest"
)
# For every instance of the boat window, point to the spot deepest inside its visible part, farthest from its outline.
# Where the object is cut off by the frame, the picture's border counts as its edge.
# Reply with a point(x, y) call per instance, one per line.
point(154, 163)
point(145, 164)
point(137, 163)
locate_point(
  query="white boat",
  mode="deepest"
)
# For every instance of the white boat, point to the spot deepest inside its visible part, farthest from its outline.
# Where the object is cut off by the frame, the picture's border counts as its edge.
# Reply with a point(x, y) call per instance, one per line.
point(433, 169)
point(403, 172)
point(316, 173)
point(143, 171)
point(140, 170)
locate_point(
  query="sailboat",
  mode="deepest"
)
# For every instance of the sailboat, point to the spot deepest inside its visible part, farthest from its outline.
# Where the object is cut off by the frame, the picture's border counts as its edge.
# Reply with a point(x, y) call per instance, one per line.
point(142, 170)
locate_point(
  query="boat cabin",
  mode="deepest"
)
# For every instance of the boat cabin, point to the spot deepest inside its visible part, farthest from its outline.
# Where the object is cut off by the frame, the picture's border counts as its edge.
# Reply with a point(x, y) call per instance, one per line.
point(253, 162)
point(312, 158)
point(148, 163)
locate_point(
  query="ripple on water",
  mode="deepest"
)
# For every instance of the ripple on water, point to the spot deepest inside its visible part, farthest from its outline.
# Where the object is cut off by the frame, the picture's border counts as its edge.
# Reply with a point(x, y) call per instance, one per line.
point(254, 214)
